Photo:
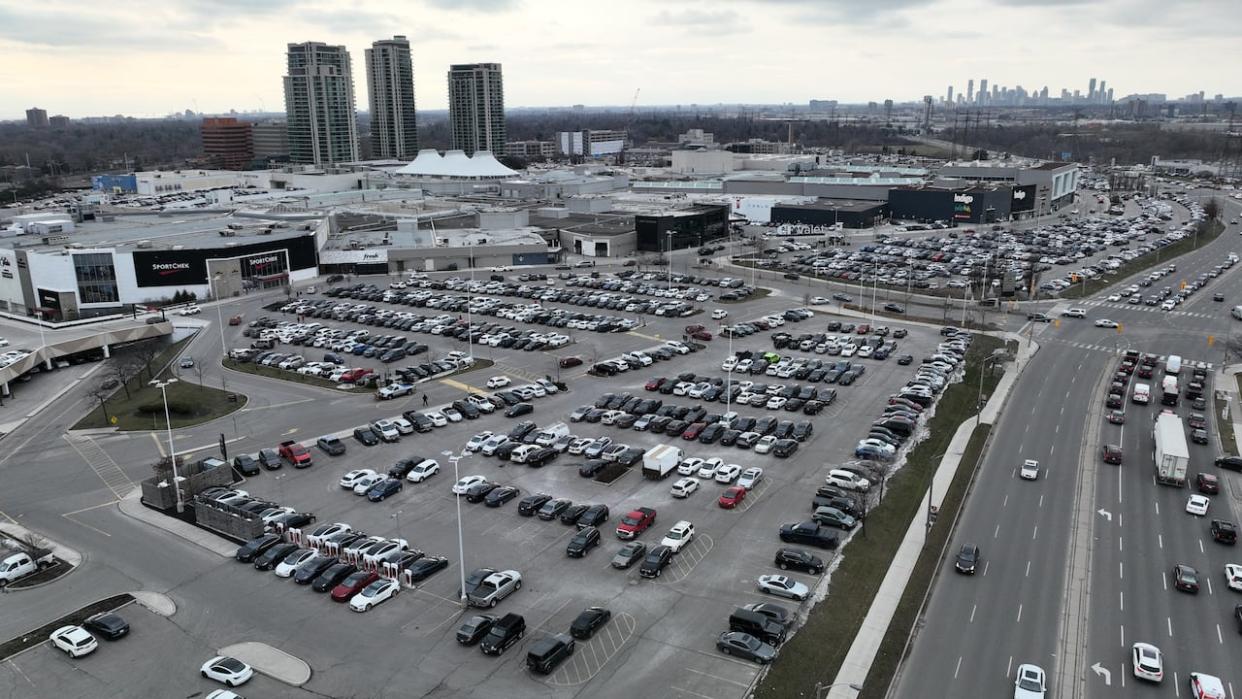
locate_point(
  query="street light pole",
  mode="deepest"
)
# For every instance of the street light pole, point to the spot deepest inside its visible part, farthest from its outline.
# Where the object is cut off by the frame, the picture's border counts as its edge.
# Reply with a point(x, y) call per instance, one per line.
point(461, 545)
point(224, 349)
point(172, 452)
point(819, 687)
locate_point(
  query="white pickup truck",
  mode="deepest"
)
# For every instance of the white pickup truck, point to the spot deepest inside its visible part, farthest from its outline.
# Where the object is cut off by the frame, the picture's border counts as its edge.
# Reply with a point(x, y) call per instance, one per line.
point(18, 565)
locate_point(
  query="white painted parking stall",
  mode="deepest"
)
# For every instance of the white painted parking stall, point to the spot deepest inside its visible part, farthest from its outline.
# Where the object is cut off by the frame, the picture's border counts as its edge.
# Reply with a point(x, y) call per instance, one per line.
point(592, 655)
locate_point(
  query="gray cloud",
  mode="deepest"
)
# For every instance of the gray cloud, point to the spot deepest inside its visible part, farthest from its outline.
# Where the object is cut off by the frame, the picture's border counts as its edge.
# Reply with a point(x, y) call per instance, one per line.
point(80, 30)
point(716, 20)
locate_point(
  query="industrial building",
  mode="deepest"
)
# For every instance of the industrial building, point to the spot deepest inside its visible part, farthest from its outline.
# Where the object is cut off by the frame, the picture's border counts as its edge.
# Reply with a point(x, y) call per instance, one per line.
point(590, 144)
point(1051, 185)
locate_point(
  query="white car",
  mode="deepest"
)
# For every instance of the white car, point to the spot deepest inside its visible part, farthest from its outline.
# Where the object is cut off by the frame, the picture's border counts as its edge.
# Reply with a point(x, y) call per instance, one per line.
point(190, 310)
point(498, 382)
point(403, 426)
point(437, 418)
point(1102, 323)
point(461, 486)
point(728, 473)
point(783, 586)
point(1074, 313)
point(230, 671)
point(1114, 297)
point(719, 314)
point(1233, 575)
point(690, 466)
point(452, 414)
point(491, 444)
point(1198, 505)
point(1031, 682)
point(423, 470)
point(353, 478)
point(1029, 470)
point(777, 402)
point(75, 641)
point(677, 537)
point(764, 445)
point(223, 694)
point(323, 531)
point(1148, 662)
point(708, 469)
point(819, 301)
point(684, 487)
point(364, 484)
point(1168, 305)
point(290, 564)
point(750, 478)
point(476, 442)
point(376, 593)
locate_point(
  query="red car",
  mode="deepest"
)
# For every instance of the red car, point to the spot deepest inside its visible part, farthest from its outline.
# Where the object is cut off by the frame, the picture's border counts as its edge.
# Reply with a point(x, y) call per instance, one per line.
point(1185, 578)
point(733, 495)
point(863, 329)
point(354, 375)
point(235, 320)
point(701, 335)
point(295, 454)
point(692, 329)
point(353, 585)
point(655, 384)
point(567, 362)
point(636, 522)
point(692, 432)
point(1208, 484)
point(1144, 372)
point(1112, 454)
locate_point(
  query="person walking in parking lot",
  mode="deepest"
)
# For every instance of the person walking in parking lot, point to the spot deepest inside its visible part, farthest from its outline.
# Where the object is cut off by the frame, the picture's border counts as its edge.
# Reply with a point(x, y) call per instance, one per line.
point(424, 400)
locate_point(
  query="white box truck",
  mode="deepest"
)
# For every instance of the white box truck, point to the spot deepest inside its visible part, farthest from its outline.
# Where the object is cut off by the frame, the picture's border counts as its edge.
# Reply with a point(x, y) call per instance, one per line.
point(1168, 391)
point(659, 461)
point(1171, 454)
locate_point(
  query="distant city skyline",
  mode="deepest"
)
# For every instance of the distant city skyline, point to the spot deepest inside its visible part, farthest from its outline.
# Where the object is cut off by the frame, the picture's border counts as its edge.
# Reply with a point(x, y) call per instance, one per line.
point(86, 59)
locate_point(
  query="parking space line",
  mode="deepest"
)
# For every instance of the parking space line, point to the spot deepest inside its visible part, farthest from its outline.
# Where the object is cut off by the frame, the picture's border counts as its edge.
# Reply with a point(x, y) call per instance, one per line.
point(716, 677)
point(684, 565)
point(22, 673)
point(687, 691)
point(752, 496)
point(585, 667)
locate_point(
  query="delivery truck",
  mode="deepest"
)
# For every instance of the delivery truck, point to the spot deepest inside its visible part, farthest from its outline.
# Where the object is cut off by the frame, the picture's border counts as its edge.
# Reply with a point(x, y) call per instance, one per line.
point(660, 460)
point(1168, 391)
point(1171, 454)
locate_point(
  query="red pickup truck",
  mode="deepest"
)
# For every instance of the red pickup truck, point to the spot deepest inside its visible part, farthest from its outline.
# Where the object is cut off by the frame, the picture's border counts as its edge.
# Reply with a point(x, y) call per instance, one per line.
point(636, 522)
point(295, 454)
point(354, 375)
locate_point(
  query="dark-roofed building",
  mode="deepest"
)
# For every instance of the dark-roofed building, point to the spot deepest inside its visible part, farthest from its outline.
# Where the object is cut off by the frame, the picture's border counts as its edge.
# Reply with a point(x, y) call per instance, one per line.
point(968, 204)
point(830, 212)
point(692, 226)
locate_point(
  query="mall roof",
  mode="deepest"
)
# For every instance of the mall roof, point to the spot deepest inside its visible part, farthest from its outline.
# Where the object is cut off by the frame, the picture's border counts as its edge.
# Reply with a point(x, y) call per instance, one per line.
point(456, 164)
point(176, 231)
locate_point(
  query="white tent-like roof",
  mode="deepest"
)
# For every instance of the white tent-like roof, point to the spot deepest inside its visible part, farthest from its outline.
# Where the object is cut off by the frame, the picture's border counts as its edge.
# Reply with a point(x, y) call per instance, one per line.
point(456, 164)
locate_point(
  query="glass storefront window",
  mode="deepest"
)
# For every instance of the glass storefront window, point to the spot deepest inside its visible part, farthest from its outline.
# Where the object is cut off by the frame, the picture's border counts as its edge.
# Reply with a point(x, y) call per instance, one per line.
point(96, 278)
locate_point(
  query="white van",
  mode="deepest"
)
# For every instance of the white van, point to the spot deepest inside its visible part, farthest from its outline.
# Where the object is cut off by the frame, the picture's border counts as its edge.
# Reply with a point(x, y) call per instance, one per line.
point(847, 480)
point(1173, 365)
point(1142, 393)
point(1236, 313)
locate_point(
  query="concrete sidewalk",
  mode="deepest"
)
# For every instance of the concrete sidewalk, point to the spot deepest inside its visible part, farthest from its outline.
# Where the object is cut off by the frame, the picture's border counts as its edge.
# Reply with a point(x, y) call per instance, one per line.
point(870, 635)
point(271, 661)
point(132, 507)
point(64, 553)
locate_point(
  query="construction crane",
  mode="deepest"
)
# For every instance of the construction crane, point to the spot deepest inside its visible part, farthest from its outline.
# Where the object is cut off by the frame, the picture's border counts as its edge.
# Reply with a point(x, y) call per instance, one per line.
point(629, 119)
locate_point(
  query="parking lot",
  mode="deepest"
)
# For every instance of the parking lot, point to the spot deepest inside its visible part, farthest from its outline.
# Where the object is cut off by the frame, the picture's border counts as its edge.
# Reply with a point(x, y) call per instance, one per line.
point(662, 630)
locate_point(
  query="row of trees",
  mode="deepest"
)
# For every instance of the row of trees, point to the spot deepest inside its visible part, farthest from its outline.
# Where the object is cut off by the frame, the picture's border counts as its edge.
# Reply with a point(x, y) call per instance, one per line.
point(1128, 143)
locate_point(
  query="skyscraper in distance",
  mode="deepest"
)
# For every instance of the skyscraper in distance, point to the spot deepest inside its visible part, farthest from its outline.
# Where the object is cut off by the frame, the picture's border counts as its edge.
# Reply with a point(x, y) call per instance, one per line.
point(390, 84)
point(983, 90)
point(1091, 90)
point(477, 107)
point(36, 118)
point(970, 90)
point(319, 104)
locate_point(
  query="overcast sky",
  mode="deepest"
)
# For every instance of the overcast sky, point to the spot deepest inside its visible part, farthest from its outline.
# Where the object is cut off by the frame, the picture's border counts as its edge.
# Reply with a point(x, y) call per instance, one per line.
point(152, 58)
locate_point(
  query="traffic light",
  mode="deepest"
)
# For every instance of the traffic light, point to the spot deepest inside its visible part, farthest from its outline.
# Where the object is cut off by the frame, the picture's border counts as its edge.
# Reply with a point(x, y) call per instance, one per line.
point(1211, 340)
point(1056, 323)
point(1119, 328)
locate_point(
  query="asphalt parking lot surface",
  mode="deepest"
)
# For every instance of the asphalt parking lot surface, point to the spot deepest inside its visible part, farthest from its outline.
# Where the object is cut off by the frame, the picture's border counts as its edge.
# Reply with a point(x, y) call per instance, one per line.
point(661, 638)
point(157, 658)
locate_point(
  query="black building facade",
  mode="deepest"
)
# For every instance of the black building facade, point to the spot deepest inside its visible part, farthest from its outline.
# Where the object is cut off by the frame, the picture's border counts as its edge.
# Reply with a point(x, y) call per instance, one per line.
point(686, 228)
point(964, 205)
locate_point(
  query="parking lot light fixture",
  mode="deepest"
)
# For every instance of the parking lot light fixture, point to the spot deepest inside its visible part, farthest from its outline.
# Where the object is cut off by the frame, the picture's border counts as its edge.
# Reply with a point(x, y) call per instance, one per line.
point(172, 451)
point(461, 545)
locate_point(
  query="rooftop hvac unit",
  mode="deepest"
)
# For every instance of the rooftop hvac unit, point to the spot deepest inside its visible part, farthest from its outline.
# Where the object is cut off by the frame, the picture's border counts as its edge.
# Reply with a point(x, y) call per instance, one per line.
point(143, 244)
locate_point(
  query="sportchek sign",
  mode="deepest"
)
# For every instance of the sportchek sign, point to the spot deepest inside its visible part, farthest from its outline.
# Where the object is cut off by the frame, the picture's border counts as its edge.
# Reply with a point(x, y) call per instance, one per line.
point(171, 267)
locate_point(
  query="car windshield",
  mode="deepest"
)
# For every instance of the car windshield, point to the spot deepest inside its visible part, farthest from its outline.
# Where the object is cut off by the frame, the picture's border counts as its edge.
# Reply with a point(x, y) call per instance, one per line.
point(231, 665)
point(629, 519)
point(1029, 682)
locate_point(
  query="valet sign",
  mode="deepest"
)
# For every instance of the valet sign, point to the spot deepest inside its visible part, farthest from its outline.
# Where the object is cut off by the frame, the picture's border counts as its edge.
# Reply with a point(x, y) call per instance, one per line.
point(962, 206)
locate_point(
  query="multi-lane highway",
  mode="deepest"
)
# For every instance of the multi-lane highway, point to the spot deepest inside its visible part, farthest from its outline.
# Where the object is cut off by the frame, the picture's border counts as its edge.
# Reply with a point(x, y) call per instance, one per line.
point(1077, 563)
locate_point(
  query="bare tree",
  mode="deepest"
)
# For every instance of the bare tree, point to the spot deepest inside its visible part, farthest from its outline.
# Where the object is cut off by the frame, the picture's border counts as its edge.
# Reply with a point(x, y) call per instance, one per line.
point(101, 394)
point(199, 367)
point(146, 352)
point(33, 543)
point(1212, 209)
point(122, 368)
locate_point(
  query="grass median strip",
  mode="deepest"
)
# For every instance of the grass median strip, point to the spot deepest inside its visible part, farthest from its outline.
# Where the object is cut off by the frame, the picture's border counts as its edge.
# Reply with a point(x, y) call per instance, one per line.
point(816, 651)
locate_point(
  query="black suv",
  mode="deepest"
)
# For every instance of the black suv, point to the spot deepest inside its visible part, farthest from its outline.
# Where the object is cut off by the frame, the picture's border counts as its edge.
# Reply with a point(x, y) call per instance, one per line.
point(504, 633)
point(582, 542)
point(270, 458)
point(548, 652)
point(968, 559)
point(1224, 532)
point(657, 558)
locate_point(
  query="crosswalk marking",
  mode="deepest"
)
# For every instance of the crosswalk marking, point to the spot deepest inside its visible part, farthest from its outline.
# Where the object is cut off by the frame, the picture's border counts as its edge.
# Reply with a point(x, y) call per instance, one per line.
point(1121, 350)
point(1145, 308)
point(102, 464)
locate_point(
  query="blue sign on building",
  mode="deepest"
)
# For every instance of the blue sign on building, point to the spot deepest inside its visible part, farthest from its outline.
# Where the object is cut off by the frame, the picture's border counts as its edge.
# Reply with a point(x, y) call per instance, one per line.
point(114, 183)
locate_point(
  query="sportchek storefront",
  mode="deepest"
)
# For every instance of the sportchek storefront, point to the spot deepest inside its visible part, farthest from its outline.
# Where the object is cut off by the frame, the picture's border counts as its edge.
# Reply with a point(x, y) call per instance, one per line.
point(82, 283)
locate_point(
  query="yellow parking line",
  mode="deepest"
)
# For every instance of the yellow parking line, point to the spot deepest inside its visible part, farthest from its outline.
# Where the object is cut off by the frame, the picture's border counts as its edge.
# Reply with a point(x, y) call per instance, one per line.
point(461, 386)
point(635, 333)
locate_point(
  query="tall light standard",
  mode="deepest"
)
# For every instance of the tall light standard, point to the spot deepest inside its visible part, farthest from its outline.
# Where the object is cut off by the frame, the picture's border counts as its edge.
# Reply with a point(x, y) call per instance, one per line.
point(821, 687)
point(461, 545)
point(224, 349)
point(669, 237)
point(979, 395)
point(172, 451)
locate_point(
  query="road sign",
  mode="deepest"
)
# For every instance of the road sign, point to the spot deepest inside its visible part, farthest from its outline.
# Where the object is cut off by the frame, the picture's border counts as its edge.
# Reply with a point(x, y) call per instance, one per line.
point(112, 419)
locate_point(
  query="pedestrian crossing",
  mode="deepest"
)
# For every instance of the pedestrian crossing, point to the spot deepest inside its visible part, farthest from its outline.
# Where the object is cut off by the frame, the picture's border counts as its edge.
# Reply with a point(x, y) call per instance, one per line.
point(1095, 303)
point(102, 464)
point(1115, 350)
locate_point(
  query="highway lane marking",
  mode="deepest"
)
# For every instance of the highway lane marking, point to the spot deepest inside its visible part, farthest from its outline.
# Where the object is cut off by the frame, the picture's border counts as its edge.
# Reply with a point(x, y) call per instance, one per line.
point(985, 567)
point(1051, 448)
point(1219, 637)
point(1121, 600)
point(1123, 643)
point(1160, 540)
point(1121, 570)
point(1209, 582)
point(1057, 429)
point(996, 531)
point(1009, 667)
point(1164, 582)
point(1201, 546)
point(973, 607)
point(958, 668)
point(1005, 501)
point(1157, 507)
point(1041, 501)
point(1019, 614)
point(1028, 570)
point(1169, 619)
point(1035, 533)
point(1119, 544)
